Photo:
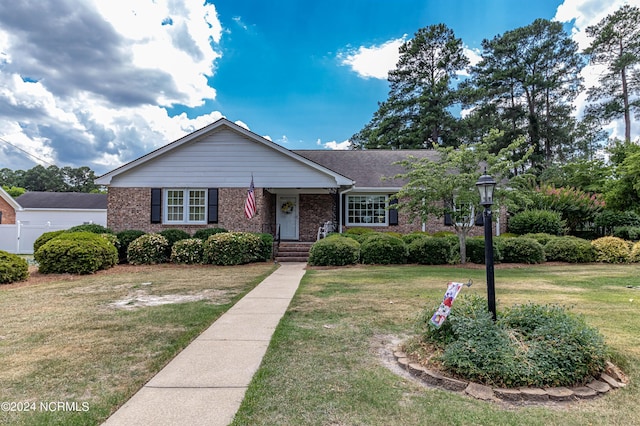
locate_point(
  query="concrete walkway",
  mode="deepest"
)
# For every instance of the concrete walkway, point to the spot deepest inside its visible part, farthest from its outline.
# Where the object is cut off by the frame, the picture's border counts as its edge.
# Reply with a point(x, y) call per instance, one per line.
point(206, 382)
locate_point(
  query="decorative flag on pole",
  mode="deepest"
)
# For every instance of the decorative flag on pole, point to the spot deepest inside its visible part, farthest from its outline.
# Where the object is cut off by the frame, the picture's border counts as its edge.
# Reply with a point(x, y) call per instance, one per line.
point(445, 307)
point(250, 204)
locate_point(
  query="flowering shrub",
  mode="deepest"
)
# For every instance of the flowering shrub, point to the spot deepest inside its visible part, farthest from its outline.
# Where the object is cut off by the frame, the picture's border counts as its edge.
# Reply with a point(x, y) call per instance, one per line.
point(574, 205)
point(205, 233)
point(124, 239)
point(611, 250)
point(148, 249)
point(174, 235)
point(188, 251)
point(12, 268)
point(635, 253)
point(232, 248)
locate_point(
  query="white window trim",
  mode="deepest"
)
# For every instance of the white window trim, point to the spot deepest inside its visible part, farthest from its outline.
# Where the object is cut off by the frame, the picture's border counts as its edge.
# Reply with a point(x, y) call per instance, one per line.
point(185, 211)
point(472, 217)
point(369, 194)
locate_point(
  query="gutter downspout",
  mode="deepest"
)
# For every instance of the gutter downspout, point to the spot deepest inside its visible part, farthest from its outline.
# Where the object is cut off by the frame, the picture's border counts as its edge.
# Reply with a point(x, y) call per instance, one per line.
point(341, 193)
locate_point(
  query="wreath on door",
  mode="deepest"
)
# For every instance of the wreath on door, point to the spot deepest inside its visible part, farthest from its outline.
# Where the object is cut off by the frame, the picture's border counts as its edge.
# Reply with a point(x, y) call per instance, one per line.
point(287, 207)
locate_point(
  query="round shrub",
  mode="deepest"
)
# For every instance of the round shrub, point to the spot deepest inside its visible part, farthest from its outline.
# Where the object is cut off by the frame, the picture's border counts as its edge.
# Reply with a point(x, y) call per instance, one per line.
point(611, 250)
point(189, 251)
point(536, 221)
point(383, 249)
point(44, 238)
point(334, 250)
point(232, 248)
point(529, 345)
point(475, 249)
point(124, 239)
point(76, 253)
point(12, 268)
point(635, 253)
point(90, 227)
point(409, 238)
point(174, 235)
point(569, 249)
point(205, 233)
point(429, 251)
point(540, 237)
point(522, 250)
point(266, 247)
point(630, 233)
point(148, 249)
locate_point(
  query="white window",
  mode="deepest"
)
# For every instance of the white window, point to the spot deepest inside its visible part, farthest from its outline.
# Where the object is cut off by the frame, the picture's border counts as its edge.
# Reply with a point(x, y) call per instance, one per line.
point(367, 210)
point(185, 206)
point(464, 214)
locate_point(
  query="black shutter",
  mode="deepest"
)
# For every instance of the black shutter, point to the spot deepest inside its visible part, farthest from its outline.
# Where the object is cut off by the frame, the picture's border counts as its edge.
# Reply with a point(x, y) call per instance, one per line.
point(479, 219)
point(212, 206)
point(447, 220)
point(156, 205)
point(393, 212)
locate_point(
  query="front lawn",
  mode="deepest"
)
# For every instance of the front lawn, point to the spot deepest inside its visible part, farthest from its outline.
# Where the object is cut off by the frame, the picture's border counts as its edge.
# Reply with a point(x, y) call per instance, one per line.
point(91, 341)
point(326, 364)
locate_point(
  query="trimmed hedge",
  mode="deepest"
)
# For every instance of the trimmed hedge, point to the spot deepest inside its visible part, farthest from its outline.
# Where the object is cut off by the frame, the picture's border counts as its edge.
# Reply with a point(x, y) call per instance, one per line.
point(205, 233)
point(570, 249)
point(45, 238)
point(266, 247)
point(536, 221)
point(76, 253)
point(189, 251)
point(540, 237)
point(383, 249)
point(635, 253)
point(148, 249)
point(174, 235)
point(90, 227)
point(12, 268)
point(334, 250)
point(125, 238)
point(611, 250)
point(232, 248)
point(429, 251)
point(522, 250)
point(631, 233)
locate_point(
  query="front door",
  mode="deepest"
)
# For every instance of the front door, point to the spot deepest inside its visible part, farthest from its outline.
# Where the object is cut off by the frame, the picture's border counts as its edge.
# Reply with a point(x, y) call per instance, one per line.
point(287, 216)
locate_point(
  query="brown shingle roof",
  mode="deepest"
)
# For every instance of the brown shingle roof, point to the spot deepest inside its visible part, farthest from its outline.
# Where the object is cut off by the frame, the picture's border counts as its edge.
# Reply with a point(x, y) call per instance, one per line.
point(366, 167)
point(62, 200)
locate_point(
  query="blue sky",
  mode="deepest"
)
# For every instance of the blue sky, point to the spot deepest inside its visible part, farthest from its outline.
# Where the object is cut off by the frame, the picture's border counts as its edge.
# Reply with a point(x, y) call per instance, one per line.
point(98, 84)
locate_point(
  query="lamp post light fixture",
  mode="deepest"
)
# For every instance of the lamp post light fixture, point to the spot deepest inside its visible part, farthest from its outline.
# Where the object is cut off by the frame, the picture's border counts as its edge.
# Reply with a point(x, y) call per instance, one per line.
point(486, 185)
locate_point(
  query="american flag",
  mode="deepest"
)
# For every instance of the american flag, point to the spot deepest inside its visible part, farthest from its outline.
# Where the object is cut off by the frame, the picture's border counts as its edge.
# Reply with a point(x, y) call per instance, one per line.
point(250, 204)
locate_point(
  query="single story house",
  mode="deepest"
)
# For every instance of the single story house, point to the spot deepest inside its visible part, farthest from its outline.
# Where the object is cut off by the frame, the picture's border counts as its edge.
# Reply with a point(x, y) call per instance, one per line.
point(202, 180)
point(25, 218)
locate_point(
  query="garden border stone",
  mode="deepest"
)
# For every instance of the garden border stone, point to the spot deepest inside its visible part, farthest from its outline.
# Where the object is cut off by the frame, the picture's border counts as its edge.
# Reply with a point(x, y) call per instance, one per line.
point(610, 380)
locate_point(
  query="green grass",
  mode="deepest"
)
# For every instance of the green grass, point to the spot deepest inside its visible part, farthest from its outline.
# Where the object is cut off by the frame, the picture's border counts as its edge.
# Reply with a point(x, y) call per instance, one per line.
point(324, 367)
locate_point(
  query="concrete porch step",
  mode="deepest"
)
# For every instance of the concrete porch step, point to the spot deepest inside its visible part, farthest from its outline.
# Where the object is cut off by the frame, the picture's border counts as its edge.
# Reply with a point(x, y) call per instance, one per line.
point(293, 251)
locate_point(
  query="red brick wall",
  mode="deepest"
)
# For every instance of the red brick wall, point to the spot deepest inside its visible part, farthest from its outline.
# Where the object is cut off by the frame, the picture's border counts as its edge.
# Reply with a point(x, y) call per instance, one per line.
point(130, 208)
point(8, 213)
point(315, 209)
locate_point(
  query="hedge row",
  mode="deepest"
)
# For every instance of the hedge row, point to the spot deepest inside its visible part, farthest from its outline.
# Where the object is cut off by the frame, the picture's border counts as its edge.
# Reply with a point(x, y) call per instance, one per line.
point(421, 248)
point(87, 248)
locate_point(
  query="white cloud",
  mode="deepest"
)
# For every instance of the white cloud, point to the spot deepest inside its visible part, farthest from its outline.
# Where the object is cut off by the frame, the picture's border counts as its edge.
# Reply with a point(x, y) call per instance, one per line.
point(338, 145)
point(582, 14)
point(94, 91)
point(374, 61)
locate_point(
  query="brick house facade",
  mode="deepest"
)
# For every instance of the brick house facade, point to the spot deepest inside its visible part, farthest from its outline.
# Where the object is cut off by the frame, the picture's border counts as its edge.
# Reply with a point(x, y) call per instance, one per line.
point(214, 165)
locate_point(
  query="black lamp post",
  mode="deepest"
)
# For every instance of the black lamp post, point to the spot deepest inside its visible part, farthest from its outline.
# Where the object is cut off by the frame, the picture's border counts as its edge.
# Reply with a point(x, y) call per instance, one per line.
point(486, 185)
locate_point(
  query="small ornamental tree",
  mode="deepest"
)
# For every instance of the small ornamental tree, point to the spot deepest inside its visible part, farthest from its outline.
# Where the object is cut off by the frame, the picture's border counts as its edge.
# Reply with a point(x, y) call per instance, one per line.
point(447, 187)
point(575, 206)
